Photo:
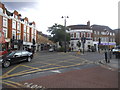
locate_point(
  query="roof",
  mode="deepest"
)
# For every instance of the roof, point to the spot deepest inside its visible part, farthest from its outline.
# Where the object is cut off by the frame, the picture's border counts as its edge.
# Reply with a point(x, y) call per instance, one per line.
point(9, 13)
point(73, 27)
point(100, 28)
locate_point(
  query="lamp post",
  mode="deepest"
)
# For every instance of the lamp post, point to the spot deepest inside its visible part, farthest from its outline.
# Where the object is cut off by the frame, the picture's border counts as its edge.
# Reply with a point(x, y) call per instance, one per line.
point(65, 17)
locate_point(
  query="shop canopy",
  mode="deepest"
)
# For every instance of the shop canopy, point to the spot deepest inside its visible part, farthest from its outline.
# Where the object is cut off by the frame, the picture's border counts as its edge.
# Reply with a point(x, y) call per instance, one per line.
point(108, 44)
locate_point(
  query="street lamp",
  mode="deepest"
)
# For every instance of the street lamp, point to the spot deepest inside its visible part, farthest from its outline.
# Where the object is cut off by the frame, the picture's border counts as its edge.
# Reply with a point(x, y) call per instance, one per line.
point(65, 17)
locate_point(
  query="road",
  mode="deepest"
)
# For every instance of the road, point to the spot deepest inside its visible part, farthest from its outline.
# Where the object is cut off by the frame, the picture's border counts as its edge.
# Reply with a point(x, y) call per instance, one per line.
point(46, 64)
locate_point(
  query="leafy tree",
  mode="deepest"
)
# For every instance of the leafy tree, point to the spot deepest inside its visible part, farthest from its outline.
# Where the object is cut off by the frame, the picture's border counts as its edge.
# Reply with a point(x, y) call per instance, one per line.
point(58, 34)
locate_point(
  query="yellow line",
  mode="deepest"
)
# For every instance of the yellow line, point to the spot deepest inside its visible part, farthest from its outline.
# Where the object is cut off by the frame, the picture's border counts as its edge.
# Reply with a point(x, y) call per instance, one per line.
point(13, 82)
point(24, 71)
point(40, 70)
point(20, 73)
point(10, 84)
point(33, 69)
point(10, 70)
point(30, 67)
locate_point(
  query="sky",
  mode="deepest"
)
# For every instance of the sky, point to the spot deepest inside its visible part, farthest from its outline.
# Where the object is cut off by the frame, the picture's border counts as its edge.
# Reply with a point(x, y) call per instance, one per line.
point(48, 12)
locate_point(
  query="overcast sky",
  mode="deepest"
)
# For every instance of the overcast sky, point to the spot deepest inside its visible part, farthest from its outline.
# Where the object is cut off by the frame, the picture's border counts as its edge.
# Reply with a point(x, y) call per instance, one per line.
point(47, 12)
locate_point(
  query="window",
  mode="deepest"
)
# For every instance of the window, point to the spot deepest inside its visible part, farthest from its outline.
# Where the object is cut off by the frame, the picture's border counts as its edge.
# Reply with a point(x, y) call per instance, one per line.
point(1, 10)
point(35, 32)
point(24, 36)
point(113, 34)
point(18, 26)
point(28, 37)
point(95, 38)
point(5, 22)
point(5, 32)
point(94, 32)
point(24, 28)
point(24, 53)
point(14, 24)
point(14, 34)
point(88, 34)
point(18, 53)
point(27, 29)
point(98, 32)
point(77, 35)
point(16, 16)
point(18, 34)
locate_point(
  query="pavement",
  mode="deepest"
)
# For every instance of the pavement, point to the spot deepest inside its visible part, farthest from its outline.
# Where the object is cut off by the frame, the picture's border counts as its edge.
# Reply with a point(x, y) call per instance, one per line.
point(114, 63)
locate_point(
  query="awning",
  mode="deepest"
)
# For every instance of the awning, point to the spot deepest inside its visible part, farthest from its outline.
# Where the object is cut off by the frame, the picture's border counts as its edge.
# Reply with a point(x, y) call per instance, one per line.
point(108, 44)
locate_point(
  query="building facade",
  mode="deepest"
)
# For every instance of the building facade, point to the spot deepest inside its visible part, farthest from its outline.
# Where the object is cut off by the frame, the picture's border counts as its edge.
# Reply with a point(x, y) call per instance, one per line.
point(81, 33)
point(17, 31)
point(103, 37)
point(95, 36)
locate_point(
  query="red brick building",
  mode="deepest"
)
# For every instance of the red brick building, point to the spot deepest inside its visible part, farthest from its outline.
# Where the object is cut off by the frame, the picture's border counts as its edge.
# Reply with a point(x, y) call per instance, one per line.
point(17, 28)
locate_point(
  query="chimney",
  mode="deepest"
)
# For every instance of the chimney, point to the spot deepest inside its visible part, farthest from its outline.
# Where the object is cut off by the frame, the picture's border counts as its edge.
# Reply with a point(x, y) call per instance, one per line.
point(19, 16)
point(88, 23)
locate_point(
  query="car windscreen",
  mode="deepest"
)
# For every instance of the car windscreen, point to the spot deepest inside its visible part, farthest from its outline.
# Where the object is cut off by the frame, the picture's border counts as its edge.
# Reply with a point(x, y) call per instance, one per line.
point(10, 54)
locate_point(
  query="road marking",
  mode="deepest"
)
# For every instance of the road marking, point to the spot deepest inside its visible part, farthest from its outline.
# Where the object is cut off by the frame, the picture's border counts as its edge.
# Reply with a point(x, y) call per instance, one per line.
point(40, 70)
point(56, 71)
point(11, 70)
point(13, 82)
point(10, 85)
point(33, 69)
point(29, 67)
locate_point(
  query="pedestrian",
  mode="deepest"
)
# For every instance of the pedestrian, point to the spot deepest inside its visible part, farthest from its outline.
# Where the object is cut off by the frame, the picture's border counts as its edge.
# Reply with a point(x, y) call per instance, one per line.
point(106, 57)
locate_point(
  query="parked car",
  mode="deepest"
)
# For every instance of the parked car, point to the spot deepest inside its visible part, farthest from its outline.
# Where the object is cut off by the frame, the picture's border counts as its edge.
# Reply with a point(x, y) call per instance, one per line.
point(116, 50)
point(15, 56)
point(51, 50)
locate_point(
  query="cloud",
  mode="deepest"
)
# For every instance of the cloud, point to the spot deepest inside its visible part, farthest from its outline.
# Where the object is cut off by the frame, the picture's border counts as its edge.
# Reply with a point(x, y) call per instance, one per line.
point(19, 5)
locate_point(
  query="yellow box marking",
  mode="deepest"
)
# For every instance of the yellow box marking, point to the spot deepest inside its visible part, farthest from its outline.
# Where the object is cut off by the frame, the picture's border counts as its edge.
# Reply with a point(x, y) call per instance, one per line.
point(10, 85)
point(13, 82)
point(39, 70)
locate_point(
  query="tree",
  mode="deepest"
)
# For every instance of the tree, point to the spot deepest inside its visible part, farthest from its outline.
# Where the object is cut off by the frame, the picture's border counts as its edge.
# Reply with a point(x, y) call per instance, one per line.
point(58, 34)
point(79, 44)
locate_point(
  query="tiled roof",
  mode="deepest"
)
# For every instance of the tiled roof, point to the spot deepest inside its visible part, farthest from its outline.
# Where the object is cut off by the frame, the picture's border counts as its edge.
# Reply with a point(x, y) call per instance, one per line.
point(100, 28)
point(9, 13)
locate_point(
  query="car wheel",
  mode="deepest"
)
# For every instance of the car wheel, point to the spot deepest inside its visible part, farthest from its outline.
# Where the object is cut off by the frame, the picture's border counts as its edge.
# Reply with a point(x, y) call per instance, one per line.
point(6, 64)
point(29, 59)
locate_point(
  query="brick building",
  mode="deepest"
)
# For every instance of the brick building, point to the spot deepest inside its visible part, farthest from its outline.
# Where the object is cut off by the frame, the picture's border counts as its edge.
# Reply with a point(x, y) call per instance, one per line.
point(16, 29)
point(93, 35)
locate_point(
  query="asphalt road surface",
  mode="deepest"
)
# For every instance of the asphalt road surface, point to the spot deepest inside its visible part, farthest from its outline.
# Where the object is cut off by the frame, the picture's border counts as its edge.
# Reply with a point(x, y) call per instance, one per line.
point(45, 64)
